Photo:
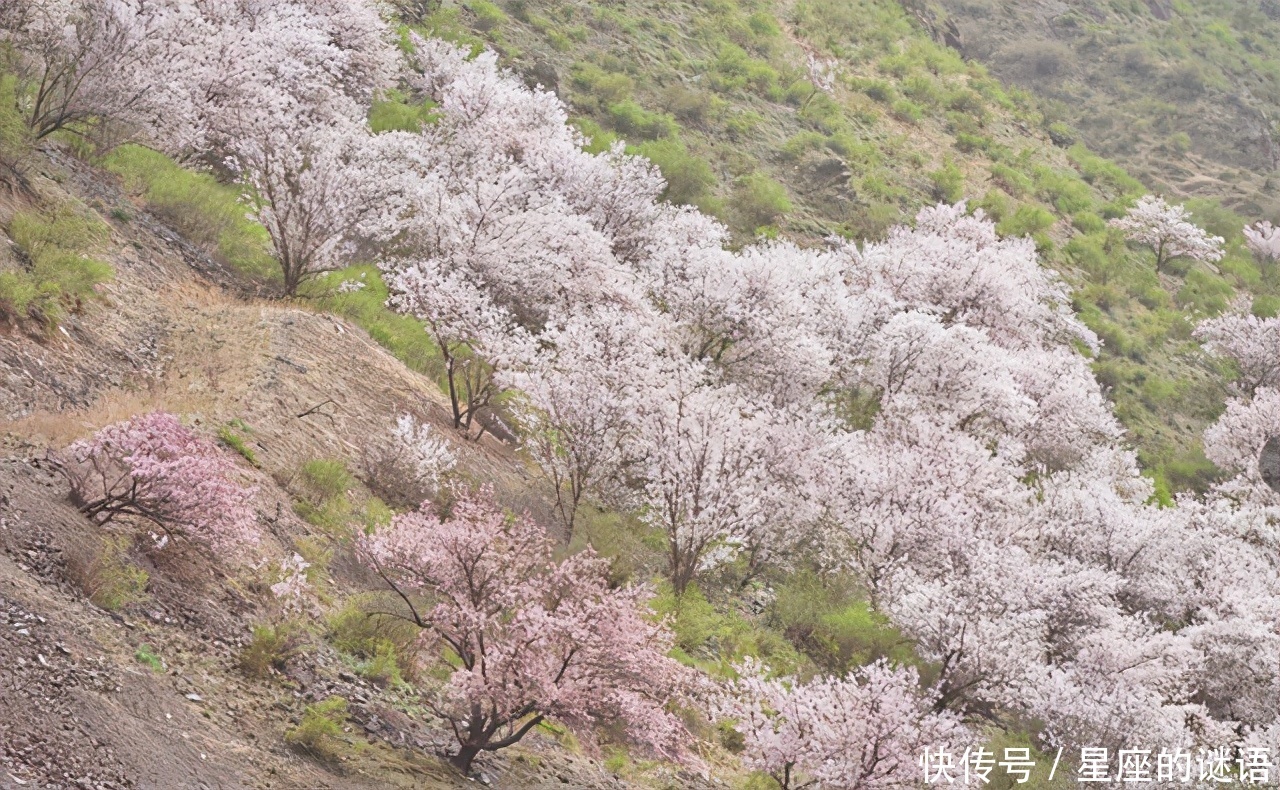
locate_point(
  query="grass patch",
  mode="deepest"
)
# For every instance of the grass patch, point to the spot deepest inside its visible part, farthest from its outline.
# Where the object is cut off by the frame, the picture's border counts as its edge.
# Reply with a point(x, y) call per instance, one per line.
point(829, 622)
point(149, 658)
point(365, 305)
point(57, 273)
point(320, 731)
point(196, 205)
point(714, 639)
point(107, 575)
point(15, 136)
point(387, 647)
point(230, 436)
point(759, 201)
point(271, 648)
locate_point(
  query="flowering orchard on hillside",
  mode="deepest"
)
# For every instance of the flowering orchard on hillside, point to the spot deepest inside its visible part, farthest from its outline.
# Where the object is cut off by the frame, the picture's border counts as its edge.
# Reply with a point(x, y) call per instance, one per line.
point(918, 412)
point(1050, 597)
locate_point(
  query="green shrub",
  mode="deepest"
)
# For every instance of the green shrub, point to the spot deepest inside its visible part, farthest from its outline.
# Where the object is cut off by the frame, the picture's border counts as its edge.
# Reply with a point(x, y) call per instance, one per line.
point(635, 550)
point(363, 630)
point(877, 184)
point(1010, 180)
point(1065, 191)
point(742, 123)
point(923, 90)
point(147, 656)
point(715, 640)
point(1204, 292)
point(1178, 143)
point(907, 111)
point(107, 575)
point(823, 113)
point(1190, 470)
point(734, 69)
point(326, 478)
point(969, 143)
point(826, 620)
point(320, 731)
point(631, 119)
point(1266, 306)
point(995, 204)
point(488, 16)
point(802, 143)
point(948, 182)
point(325, 484)
point(1088, 222)
point(59, 274)
point(1102, 172)
point(607, 88)
point(15, 136)
point(1027, 220)
point(759, 200)
point(873, 220)
point(763, 25)
point(271, 648)
point(861, 152)
point(689, 178)
point(1216, 218)
point(318, 553)
point(879, 90)
point(599, 139)
point(1061, 134)
point(799, 92)
point(969, 103)
point(690, 106)
point(394, 112)
point(383, 668)
point(1090, 254)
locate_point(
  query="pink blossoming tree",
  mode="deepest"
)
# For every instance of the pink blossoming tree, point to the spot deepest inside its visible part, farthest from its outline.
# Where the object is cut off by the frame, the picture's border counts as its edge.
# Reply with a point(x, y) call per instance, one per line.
point(1168, 231)
point(860, 732)
point(534, 638)
point(1263, 240)
point(152, 467)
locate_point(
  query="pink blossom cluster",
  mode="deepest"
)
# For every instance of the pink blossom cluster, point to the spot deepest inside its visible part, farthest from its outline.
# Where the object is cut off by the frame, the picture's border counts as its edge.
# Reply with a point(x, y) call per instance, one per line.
point(867, 730)
point(154, 468)
point(535, 638)
point(1168, 231)
point(1263, 240)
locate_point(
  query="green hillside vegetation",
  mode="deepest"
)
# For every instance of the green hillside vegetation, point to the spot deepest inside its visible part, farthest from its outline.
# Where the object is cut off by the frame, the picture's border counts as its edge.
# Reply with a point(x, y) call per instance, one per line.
point(1184, 94)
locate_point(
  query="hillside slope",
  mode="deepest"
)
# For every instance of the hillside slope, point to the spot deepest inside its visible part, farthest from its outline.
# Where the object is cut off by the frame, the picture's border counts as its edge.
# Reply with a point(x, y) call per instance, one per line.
point(148, 693)
point(788, 120)
point(1184, 94)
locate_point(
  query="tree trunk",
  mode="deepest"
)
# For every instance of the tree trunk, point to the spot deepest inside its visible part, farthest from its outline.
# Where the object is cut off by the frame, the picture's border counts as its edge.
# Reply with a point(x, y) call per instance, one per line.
point(463, 759)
